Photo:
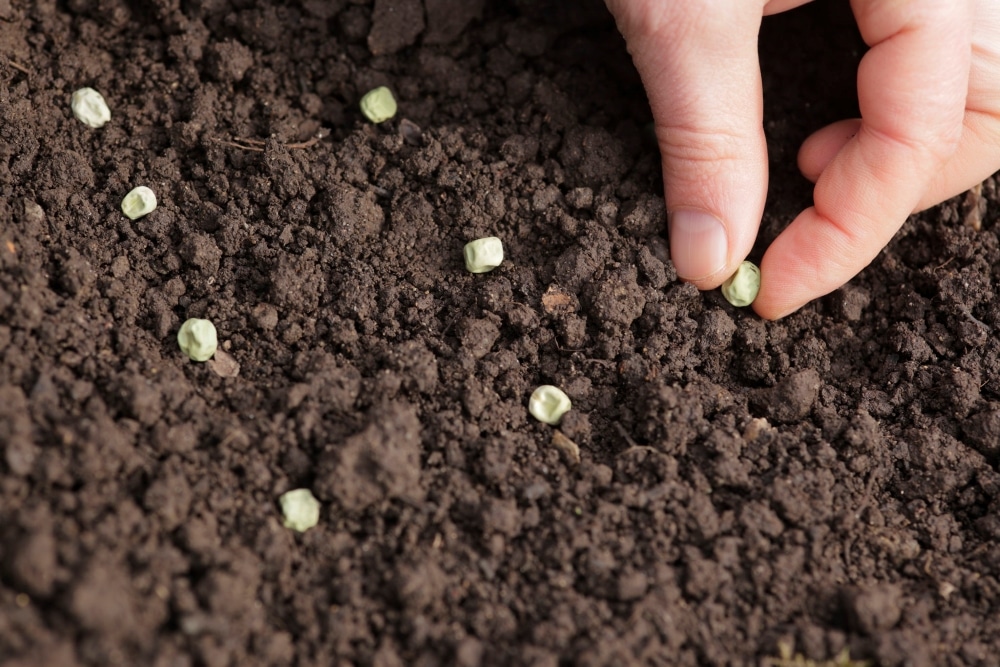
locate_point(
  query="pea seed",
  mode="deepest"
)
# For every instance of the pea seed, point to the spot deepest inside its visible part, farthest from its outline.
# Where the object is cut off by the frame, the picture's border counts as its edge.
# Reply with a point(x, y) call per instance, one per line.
point(139, 202)
point(300, 509)
point(483, 255)
point(89, 107)
point(741, 288)
point(378, 105)
point(548, 404)
point(198, 339)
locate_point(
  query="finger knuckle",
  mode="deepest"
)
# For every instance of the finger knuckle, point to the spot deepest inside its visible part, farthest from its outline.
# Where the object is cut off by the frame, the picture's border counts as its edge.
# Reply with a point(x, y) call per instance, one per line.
point(686, 146)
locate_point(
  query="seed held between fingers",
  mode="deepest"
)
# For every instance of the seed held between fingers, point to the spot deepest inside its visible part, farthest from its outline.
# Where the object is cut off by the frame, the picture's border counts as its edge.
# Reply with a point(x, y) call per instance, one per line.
point(742, 287)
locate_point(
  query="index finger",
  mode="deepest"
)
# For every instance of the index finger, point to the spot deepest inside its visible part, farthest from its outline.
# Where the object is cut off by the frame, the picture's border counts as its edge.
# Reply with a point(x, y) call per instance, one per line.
point(912, 86)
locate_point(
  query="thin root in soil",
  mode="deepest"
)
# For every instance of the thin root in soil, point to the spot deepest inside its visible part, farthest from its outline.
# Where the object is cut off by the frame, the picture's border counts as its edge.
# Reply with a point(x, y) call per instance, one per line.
point(257, 145)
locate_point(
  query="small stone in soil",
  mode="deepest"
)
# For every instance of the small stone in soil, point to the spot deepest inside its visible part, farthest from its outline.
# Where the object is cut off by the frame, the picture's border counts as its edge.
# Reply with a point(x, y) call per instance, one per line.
point(411, 132)
point(300, 509)
point(548, 404)
point(139, 202)
point(90, 108)
point(566, 447)
point(224, 365)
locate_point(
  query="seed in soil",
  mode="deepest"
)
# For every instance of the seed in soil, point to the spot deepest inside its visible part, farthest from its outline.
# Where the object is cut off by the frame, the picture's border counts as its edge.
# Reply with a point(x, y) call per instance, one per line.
point(198, 339)
point(139, 202)
point(90, 108)
point(483, 255)
point(741, 288)
point(300, 509)
point(378, 105)
point(548, 404)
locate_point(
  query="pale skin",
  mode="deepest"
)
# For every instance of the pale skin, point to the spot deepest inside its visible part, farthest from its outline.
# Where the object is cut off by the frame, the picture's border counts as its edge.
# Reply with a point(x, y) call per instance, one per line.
point(929, 95)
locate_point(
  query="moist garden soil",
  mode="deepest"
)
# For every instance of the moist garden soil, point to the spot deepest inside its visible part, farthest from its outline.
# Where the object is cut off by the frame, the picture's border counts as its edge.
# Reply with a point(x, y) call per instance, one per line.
point(726, 490)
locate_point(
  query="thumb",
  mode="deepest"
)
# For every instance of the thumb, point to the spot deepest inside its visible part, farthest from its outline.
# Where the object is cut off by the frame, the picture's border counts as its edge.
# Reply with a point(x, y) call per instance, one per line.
point(698, 62)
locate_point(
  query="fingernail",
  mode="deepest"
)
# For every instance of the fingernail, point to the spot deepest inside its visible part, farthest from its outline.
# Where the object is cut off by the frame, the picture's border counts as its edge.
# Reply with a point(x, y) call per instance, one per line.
point(698, 245)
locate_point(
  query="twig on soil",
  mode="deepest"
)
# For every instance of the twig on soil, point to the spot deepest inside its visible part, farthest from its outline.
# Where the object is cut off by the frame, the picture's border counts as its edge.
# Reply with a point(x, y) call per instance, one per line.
point(624, 434)
point(235, 145)
point(257, 145)
point(19, 68)
point(941, 266)
point(448, 326)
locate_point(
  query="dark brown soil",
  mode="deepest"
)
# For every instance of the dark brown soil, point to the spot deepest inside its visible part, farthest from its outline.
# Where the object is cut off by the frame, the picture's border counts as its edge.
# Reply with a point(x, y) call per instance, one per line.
point(823, 482)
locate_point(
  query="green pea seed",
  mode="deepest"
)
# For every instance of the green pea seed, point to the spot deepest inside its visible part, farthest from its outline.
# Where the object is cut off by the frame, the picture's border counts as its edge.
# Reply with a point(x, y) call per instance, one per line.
point(378, 105)
point(548, 404)
point(89, 107)
point(741, 288)
point(300, 509)
point(198, 339)
point(138, 202)
point(483, 255)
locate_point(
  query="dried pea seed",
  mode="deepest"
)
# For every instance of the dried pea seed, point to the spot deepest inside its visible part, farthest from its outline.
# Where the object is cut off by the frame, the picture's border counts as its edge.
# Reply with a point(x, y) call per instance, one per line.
point(483, 255)
point(198, 339)
point(741, 288)
point(139, 202)
point(300, 509)
point(548, 404)
point(89, 107)
point(378, 105)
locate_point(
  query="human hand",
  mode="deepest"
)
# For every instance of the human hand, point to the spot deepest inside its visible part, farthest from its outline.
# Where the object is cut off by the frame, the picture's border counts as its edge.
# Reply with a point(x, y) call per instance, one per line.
point(929, 94)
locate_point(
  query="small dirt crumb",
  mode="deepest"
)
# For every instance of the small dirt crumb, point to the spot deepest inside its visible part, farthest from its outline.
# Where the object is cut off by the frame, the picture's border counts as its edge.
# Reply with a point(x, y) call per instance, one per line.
point(716, 331)
point(395, 25)
point(446, 19)
point(576, 426)
point(983, 432)
point(478, 336)
point(652, 269)
point(632, 585)
point(580, 198)
point(265, 316)
point(381, 462)
point(228, 61)
point(791, 399)
point(33, 562)
point(644, 216)
point(875, 609)
point(850, 302)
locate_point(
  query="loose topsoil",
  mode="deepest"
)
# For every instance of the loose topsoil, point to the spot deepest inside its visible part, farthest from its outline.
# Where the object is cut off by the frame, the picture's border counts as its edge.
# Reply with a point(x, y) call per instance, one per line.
point(743, 489)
